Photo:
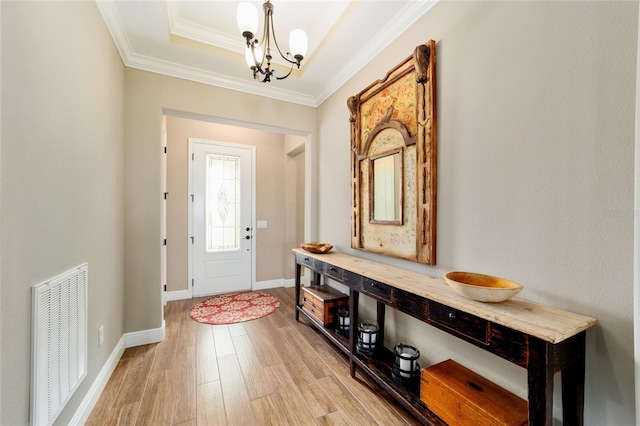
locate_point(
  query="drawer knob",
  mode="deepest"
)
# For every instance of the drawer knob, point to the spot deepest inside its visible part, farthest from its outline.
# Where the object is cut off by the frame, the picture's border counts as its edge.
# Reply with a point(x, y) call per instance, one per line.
point(452, 315)
point(475, 386)
point(306, 259)
point(373, 285)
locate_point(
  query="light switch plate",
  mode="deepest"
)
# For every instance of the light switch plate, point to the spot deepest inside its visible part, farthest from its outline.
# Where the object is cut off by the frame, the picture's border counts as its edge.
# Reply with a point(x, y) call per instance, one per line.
point(262, 224)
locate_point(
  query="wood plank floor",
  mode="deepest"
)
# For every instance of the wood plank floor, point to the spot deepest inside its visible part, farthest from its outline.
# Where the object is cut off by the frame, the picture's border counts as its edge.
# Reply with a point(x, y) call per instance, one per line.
point(270, 371)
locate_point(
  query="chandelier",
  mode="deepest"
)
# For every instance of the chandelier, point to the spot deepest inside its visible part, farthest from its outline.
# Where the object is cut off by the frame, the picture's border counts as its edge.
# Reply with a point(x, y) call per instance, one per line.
point(258, 53)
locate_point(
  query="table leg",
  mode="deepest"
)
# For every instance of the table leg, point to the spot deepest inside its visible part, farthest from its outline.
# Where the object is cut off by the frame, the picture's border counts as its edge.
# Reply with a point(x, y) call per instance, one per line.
point(540, 379)
point(380, 319)
point(298, 271)
point(353, 328)
point(573, 386)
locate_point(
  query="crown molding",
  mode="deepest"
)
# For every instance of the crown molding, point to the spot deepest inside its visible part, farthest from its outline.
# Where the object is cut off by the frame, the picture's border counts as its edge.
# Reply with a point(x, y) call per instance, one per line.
point(408, 16)
point(183, 28)
point(252, 87)
point(116, 28)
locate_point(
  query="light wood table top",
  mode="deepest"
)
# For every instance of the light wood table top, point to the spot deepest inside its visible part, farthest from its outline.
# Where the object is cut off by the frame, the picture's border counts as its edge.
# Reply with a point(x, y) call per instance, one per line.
point(547, 323)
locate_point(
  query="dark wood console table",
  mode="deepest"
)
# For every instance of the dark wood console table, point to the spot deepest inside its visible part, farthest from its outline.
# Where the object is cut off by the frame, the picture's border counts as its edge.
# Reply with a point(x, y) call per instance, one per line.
point(542, 339)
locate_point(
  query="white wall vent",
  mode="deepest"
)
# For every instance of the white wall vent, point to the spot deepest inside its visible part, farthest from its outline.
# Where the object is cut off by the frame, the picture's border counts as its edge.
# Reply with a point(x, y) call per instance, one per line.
point(58, 343)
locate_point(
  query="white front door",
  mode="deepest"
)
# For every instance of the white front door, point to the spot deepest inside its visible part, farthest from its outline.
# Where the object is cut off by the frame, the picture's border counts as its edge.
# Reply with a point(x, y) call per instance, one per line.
point(222, 223)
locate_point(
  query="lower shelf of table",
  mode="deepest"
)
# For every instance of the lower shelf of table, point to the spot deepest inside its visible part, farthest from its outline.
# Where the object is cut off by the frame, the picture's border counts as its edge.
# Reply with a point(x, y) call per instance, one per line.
point(341, 341)
point(379, 367)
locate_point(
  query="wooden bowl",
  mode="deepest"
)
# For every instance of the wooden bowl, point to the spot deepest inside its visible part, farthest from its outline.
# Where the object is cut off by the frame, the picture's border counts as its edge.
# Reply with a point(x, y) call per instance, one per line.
point(480, 287)
point(319, 248)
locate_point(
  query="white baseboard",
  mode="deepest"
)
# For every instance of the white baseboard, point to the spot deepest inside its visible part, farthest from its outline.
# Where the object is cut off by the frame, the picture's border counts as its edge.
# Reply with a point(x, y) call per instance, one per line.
point(177, 295)
point(259, 285)
point(90, 399)
point(262, 285)
point(127, 340)
point(144, 337)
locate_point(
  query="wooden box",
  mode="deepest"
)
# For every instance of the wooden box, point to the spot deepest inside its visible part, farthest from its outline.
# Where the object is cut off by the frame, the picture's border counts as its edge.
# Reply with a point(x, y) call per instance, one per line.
point(461, 397)
point(323, 302)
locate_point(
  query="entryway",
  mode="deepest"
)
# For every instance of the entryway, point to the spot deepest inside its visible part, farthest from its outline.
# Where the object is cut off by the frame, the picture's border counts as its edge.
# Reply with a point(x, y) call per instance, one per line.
point(281, 205)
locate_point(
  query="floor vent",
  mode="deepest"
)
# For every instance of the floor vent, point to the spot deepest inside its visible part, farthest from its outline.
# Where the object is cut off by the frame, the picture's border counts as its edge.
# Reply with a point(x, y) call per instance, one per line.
point(58, 343)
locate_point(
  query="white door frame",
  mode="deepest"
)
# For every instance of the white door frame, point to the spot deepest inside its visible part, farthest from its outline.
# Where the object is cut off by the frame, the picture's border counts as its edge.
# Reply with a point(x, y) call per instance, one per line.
point(190, 205)
point(163, 216)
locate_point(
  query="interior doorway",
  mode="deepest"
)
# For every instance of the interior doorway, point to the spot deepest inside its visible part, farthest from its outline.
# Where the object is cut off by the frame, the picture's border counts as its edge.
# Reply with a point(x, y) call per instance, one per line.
point(283, 214)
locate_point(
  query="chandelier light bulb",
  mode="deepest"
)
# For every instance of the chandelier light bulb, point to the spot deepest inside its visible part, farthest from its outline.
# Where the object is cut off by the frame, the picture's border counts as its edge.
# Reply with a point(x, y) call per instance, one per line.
point(247, 18)
point(298, 43)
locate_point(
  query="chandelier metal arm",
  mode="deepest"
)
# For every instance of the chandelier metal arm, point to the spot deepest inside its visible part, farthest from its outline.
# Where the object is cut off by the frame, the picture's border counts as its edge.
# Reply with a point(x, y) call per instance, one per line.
point(271, 27)
point(267, 71)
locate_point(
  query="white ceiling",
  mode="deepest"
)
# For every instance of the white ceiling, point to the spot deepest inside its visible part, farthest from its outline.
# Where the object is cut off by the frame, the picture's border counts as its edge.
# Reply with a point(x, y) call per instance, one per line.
point(200, 41)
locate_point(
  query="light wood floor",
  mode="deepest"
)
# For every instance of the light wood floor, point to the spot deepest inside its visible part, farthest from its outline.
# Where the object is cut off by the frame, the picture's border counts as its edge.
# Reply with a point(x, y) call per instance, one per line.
point(270, 371)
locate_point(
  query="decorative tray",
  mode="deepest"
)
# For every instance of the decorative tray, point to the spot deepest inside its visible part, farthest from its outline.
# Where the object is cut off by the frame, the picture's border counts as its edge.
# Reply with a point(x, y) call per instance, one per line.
point(319, 248)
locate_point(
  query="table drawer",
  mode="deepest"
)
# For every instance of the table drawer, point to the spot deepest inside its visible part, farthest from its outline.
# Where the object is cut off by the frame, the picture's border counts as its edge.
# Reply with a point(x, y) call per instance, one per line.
point(334, 272)
point(309, 262)
point(378, 290)
point(458, 322)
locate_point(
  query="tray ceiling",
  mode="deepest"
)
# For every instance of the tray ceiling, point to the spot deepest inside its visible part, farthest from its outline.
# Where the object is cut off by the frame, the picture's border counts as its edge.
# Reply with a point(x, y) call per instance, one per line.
point(199, 40)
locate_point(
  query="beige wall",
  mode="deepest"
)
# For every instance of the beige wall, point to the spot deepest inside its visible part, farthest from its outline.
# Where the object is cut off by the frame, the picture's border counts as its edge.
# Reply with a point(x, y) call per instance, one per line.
point(148, 96)
point(62, 180)
point(535, 181)
point(273, 194)
point(535, 173)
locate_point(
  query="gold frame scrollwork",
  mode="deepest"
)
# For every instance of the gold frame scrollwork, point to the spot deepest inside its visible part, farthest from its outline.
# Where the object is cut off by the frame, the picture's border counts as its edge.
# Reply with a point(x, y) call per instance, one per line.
point(404, 101)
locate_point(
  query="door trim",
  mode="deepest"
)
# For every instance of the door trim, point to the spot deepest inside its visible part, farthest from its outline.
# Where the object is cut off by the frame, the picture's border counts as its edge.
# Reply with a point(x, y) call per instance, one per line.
point(252, 148)
point(163, 216)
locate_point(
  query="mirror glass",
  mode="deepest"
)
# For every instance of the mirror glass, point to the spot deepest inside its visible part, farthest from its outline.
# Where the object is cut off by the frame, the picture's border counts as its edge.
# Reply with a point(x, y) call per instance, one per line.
point(386, 187)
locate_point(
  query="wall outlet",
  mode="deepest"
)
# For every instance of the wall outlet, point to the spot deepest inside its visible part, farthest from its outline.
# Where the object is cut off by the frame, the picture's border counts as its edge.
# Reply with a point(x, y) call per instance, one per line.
point(101, 335)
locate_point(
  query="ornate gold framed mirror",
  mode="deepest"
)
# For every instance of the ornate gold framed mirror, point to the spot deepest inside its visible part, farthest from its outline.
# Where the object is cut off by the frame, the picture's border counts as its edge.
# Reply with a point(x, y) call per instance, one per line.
point(393, 161)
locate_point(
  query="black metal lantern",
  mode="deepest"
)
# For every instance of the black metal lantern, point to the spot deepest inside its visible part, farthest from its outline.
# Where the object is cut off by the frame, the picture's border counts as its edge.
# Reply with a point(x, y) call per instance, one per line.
point(405, 363)
point(344, 321)
point(367, 337)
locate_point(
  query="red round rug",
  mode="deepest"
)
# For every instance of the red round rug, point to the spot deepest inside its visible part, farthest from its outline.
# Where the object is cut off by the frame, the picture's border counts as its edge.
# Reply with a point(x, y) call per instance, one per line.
point(234, 307)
